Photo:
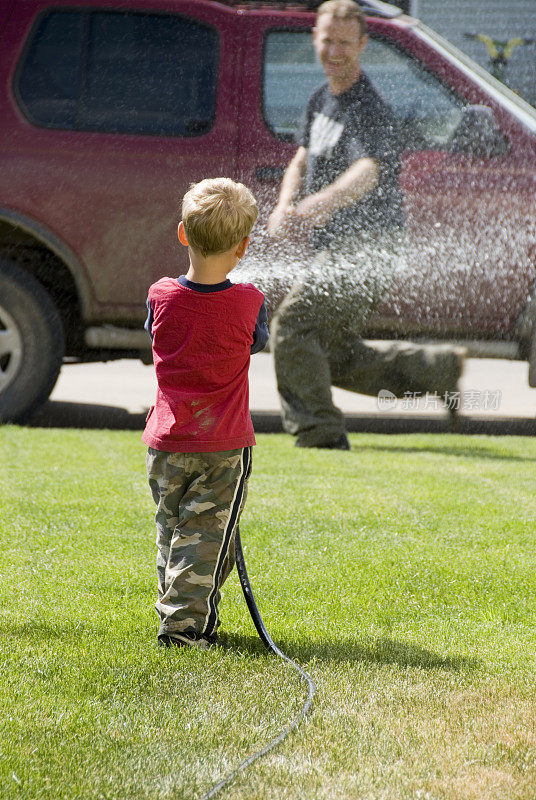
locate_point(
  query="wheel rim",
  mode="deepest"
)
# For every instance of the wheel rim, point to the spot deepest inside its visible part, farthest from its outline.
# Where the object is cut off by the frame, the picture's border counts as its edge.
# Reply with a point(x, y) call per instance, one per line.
point(11, 349)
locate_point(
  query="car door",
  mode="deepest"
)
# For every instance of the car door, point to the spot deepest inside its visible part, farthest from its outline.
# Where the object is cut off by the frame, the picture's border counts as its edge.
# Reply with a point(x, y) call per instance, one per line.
point(468, 177)
point(118, 110)
point(469, 269)
point(274, 92)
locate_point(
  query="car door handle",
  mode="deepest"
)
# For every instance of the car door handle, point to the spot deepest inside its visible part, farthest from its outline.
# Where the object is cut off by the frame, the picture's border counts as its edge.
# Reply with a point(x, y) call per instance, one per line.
point(269, 174)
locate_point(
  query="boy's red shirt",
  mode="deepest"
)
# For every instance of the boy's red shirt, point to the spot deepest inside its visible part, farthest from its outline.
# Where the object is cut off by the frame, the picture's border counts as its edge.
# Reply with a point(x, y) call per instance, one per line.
point(201, 353)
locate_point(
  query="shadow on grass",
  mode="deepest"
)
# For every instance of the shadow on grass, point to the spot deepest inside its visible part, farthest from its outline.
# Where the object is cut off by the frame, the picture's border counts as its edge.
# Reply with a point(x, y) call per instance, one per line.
point(59, 414)
point(43, 632)
point(379, 651)
point(472, 449)
point(63, 414)
point(468, 426)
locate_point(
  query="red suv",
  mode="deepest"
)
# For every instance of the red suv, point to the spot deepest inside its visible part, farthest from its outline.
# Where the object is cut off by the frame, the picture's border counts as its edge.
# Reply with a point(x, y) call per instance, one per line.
point(109, 111)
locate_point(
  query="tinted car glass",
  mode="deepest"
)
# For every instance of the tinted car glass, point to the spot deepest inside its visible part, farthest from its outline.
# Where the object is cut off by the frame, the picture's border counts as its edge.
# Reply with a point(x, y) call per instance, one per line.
point(291, 73)
point(49, 81)
point(121, 73)
point(427, 110)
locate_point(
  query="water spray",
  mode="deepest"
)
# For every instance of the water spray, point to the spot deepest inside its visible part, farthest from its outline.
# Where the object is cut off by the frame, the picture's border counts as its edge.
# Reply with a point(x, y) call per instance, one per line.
point(269, 643)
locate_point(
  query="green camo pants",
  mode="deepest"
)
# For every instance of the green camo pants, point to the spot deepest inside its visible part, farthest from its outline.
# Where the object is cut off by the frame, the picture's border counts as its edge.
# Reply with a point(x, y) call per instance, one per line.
point(199, 498)
point(316, 338)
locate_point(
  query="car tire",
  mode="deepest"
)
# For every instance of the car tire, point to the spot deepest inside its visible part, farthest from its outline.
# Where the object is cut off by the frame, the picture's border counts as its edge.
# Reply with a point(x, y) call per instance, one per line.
point(31, 344)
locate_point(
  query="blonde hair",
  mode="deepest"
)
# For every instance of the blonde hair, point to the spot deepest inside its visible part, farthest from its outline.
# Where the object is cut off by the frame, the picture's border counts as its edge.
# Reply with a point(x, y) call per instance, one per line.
point(217, 214)
point(343, 9)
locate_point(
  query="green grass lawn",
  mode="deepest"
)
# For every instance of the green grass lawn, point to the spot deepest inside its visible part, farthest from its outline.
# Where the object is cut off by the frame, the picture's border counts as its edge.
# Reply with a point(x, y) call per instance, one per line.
point(402, 575)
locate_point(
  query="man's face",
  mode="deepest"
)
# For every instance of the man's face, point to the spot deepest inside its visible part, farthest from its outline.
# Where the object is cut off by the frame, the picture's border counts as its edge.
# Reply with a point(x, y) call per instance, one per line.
point(339, 44)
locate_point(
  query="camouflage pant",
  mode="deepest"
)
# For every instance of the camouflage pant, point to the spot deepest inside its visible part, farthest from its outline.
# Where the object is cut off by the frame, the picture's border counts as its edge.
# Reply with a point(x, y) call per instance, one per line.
point(199, 499)
point(316, 335)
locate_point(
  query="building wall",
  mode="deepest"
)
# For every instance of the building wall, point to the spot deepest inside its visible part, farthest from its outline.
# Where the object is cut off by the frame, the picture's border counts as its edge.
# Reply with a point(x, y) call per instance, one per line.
point(499, 19)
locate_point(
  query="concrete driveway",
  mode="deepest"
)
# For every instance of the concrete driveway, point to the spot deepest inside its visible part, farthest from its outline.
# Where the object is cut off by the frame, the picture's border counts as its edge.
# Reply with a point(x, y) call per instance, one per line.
point(494, 398)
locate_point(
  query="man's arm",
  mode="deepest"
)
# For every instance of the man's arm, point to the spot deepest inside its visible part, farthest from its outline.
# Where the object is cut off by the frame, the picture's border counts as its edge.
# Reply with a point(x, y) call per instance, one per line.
point(353, 184)
point(290, 187)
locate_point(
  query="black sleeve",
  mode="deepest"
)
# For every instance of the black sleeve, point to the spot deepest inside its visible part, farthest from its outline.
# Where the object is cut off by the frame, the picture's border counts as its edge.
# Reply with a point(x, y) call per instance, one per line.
point(302, 135)
point(261, 333)
point(149, 321)
point(383, 138)
point(388, 140)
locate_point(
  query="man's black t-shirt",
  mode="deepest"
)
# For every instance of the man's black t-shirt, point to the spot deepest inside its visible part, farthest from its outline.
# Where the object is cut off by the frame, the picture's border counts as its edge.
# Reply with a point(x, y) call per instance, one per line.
point(338, 130)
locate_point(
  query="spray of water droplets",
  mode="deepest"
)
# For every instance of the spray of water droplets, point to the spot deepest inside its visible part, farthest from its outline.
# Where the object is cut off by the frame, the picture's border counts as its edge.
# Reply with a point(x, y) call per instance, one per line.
point(469, 274)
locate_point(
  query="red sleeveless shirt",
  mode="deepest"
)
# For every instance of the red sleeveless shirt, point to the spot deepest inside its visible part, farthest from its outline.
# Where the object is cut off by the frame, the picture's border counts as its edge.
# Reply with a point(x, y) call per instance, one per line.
point(201, 353)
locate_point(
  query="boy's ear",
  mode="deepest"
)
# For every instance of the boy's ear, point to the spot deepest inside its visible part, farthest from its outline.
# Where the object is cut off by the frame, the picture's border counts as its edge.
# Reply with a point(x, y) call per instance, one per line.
point(182, 235)
point(242, 247)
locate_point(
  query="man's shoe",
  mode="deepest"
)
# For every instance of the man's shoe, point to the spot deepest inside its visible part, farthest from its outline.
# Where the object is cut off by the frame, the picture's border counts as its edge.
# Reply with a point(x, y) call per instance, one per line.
point(187, 640)
point(341, 443)
point(454, 421)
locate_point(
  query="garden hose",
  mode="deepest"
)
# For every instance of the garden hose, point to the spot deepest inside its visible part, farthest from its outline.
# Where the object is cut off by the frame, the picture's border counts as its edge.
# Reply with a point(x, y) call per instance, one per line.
point(268, 641)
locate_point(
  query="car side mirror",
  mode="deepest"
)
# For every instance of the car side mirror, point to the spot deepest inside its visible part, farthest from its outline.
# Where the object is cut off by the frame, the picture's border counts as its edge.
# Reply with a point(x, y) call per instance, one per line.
point(478, 134)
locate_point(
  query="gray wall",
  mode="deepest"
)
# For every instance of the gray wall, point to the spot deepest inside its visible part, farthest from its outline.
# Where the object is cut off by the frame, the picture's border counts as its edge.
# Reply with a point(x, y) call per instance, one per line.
point(500, 19)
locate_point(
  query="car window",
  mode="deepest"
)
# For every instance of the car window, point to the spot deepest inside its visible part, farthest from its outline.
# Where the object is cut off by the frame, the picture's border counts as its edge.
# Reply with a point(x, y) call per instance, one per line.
point(428, 111)
point(290, 74)
point(48, 84)
point(120, 73)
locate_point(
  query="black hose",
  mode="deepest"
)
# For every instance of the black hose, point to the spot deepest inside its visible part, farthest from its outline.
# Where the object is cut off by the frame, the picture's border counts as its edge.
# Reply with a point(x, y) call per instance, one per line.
point(250, 599)
point(268, 641)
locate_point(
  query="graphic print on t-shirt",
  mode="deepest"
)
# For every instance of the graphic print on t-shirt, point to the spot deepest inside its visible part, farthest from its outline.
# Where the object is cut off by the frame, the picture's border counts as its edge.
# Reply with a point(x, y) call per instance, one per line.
point(324, 135)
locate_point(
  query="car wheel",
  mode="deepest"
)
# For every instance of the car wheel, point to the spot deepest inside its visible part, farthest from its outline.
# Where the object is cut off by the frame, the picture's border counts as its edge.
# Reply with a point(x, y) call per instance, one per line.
point(31, 344)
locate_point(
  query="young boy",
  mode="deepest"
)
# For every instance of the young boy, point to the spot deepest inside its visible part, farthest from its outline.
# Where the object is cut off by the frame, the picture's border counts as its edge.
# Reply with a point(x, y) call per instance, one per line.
point(199, 431)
